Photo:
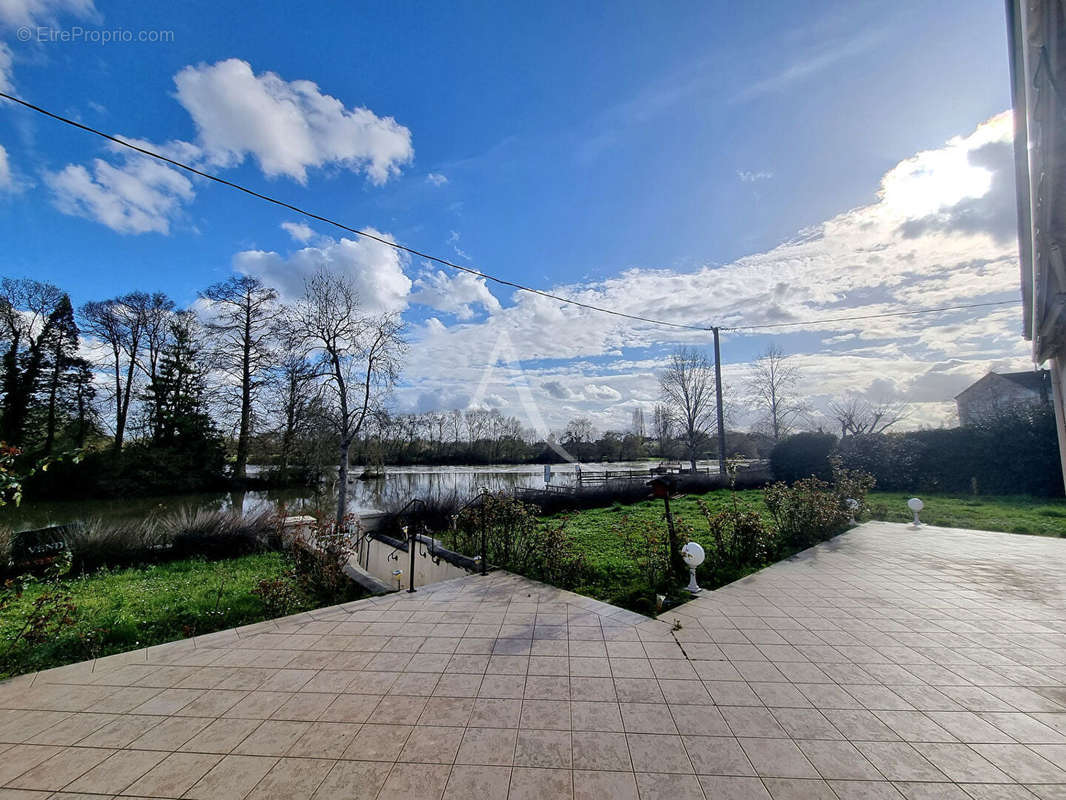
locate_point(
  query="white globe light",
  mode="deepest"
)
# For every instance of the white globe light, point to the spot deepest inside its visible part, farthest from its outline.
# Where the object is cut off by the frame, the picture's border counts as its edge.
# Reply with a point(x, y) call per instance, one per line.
point(692, 554)
point(915, 505)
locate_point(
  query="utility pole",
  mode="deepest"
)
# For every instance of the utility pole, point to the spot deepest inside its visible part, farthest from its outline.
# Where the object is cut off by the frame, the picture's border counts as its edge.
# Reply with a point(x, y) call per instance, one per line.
point(718, 395)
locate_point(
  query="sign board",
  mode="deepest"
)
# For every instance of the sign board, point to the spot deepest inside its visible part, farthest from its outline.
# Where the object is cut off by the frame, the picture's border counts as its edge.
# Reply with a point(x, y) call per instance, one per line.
point(547, 473)
point(40, 547)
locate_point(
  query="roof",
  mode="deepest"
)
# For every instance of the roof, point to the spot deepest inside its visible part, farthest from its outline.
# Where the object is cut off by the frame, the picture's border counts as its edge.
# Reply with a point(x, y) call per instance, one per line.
point(1035, 381)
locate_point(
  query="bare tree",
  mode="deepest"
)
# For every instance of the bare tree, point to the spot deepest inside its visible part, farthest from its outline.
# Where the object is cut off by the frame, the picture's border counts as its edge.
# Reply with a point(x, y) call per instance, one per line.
point(293, 388)
point(662, 425)
point(357, 355)
point(772, 384)
point(687, 388)
point(857, 416)
point(123, 325)
point(243, 312)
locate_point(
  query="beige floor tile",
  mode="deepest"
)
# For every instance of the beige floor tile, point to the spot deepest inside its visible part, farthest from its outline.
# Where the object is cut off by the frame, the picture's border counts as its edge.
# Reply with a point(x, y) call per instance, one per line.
point(447, 711)
point(430, 744)
point(324, 740)
point(537, 784)
point(546, 714)
point(378, 742)
point(661, 786)
point(116, 772)
point(415, 782)
point(233, 777)
point(292, 779)
point(647, 718)
point(170, 734)
point(600, 750)
point(398, 710)
point(543, 748)
point(724, 787)
point(350, 708)
point(655, 752)
point(487, 747)
point(717, 755)
point(479, 783)
point(174, 775)
point(272, 738)
point(220, 736)
point(599, 785)
point(354, 780)
point(59, 770)
point(489, 712)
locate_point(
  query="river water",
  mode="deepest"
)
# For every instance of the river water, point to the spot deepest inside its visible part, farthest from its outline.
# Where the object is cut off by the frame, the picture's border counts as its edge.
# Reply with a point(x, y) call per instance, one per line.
point(397, 486)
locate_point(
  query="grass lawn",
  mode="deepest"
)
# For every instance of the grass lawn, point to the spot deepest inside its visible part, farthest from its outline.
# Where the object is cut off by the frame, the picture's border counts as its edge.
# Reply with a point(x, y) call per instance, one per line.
point(1012, 514)
point(119, 610)
point(613, 575)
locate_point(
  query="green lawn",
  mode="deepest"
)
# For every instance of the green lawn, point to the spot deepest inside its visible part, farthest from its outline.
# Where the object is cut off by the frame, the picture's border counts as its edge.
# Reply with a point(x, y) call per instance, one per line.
point(121, 610)
point(613, 575)
point(1012, 514)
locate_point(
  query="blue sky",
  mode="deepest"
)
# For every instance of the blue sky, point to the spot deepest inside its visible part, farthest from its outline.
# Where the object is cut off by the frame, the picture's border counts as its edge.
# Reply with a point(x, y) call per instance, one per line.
point(557, 144)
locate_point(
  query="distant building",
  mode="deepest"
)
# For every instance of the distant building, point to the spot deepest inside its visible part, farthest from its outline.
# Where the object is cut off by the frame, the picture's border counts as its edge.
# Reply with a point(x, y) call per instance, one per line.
point(996, 392)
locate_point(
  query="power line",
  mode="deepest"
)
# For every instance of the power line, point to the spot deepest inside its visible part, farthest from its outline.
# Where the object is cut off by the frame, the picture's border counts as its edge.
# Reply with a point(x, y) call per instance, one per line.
point(452, 265)
point(342, 226)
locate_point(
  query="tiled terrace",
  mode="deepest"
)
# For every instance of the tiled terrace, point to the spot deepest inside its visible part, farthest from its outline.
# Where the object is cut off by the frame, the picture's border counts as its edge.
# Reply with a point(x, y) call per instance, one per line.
point(885, 663)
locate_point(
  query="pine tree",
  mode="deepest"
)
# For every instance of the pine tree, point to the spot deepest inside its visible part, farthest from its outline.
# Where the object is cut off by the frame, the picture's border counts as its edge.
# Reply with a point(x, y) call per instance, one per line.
point(59, 366)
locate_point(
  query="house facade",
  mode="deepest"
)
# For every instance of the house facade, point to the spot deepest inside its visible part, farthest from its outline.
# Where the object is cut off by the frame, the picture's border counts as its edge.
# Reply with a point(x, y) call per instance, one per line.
point(998, 392)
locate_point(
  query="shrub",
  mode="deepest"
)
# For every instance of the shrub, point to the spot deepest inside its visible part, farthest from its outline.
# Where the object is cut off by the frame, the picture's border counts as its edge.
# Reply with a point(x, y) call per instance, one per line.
point(319, 558)
point(803, 455)
point(740, 540)
point(511, 537)
point(1014, 452)
point(805, 513)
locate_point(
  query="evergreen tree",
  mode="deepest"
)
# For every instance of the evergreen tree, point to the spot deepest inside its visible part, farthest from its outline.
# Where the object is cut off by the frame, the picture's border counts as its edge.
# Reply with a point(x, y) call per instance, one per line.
point(53, 400)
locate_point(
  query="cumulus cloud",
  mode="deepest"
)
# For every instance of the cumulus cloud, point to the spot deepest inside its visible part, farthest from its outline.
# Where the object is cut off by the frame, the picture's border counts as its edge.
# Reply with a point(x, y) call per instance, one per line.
point(300, 231)
point(375, 269)
point(557, 390)
point(457, 293)
point(287, 126)
point(882, 257)
point(601, 391)
point(436, 179)
point(136, 195)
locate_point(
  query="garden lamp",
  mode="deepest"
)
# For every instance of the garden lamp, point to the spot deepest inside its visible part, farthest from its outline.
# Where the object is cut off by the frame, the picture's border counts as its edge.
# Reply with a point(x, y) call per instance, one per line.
point(693, 555)
point(853, 506)
point(915, 505)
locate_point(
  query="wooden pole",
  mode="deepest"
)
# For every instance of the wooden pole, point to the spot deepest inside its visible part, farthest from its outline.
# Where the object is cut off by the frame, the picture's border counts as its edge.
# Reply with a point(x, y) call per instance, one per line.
point(718, 396)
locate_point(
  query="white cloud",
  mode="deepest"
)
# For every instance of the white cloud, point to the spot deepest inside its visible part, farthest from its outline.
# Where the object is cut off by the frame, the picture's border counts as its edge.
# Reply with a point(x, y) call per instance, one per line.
point(748, 176)
point(883, 257)
point(287, 126)
point(300, 231)
point(603, 392)
point(139, 195)
point(375, 269)
point(6, 181)
point(456, 293)
point(436, 179)
point(6, 82)
point(14, 13)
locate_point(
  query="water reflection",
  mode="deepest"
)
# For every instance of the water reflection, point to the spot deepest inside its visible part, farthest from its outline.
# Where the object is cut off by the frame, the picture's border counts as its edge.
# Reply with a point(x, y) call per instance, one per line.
point(399, 485)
